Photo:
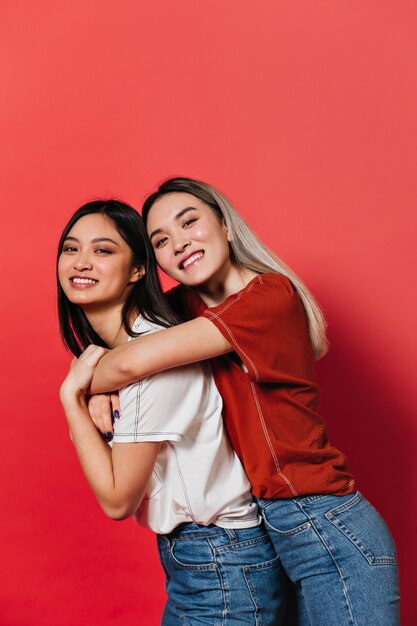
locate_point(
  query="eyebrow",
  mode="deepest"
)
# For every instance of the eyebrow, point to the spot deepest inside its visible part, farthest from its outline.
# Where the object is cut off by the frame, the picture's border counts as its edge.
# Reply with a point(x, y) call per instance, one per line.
point(95, 240)
point(177, 217)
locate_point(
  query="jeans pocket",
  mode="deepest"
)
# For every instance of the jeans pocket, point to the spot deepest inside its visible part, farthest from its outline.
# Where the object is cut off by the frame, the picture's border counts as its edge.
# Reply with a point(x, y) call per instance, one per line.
point(265, 584)
point(284, 521)
point(193, 555)
point(365, 528)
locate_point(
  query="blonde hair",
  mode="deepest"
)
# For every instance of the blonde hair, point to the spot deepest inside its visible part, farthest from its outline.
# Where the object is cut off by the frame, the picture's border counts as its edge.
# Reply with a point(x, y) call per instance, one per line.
point(247, 250)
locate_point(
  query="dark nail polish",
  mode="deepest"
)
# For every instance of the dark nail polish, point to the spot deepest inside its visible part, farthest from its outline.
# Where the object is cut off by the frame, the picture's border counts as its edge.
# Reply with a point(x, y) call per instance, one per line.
point(116, 414)
point(109, 436)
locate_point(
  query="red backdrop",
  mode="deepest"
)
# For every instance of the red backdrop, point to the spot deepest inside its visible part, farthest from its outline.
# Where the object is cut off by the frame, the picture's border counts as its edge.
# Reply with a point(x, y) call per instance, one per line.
point(304, 114)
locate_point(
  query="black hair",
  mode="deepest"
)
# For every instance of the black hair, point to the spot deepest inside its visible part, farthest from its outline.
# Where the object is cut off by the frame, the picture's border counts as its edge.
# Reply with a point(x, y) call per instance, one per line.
point(146, 295)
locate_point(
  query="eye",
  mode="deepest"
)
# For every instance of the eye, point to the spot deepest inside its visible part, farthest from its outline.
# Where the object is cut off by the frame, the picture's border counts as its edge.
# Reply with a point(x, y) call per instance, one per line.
point(190, 221)
point(160, 242)
point(102, 251)
point(69, 249)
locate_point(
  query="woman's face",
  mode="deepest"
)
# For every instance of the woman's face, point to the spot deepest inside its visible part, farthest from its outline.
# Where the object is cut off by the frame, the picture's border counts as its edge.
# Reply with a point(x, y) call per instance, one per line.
point(95, 265)
point(191, 242)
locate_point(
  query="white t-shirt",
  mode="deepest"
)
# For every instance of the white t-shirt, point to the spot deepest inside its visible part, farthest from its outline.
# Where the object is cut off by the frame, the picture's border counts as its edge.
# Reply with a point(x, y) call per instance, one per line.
point(197, 476)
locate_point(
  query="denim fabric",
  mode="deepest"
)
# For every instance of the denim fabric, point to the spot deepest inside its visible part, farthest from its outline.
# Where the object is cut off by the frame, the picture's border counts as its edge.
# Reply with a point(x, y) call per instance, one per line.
point(221, 577)
point(341, 556)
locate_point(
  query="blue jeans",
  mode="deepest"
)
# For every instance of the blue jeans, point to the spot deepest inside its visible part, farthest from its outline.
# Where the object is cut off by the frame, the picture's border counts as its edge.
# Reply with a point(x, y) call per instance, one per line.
point(220, 577)
point(341, 557)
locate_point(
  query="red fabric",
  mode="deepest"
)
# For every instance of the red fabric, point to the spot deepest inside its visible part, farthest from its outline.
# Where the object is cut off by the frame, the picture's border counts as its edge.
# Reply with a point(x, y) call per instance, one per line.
point(271, 412)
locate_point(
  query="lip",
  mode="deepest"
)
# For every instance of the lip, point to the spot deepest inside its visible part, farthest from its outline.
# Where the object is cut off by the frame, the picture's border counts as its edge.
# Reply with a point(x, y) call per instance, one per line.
point(199, 254)
point(82, 282)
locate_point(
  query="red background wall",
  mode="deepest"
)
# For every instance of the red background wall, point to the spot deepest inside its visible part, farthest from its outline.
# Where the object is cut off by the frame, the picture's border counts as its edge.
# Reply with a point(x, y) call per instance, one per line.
point(304, 114)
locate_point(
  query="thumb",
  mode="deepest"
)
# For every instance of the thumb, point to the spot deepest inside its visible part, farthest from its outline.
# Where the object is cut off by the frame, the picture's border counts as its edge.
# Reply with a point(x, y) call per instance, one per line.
point(92, 354)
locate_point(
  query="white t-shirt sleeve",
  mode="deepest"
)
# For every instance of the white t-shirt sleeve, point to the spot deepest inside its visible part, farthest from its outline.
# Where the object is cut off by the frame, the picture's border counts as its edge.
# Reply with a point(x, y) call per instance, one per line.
point(162, 407)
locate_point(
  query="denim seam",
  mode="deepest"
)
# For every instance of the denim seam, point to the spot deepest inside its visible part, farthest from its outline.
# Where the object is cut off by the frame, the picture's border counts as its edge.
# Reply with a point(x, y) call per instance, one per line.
point(372, 559)
point(289, 533)
point(331, 516)
point(192, 537)
point(258, 618)
point(321, 535)
point(311, 498)
point(355, 499)
point(264, 503)
point(223, 584)
point(241, 545)
point(256, 567)
point(202, 567)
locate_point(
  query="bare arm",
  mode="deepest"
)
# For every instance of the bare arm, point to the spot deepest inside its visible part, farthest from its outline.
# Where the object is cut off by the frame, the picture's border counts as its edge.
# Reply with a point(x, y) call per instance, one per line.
point(118, 476)
point(192, 341)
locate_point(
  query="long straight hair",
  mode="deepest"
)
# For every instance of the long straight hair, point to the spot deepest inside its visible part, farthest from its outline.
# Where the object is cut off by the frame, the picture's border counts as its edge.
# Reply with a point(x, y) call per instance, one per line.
point(246, 249)
point(146, 295)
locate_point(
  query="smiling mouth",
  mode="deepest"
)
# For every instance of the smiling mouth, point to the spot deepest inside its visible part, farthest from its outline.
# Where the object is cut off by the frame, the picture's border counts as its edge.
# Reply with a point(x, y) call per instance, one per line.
point(76, 280)
point(191, 259)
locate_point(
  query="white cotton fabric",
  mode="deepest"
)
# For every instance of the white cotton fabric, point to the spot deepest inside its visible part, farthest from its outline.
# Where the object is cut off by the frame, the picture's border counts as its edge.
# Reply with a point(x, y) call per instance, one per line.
point(197, 476)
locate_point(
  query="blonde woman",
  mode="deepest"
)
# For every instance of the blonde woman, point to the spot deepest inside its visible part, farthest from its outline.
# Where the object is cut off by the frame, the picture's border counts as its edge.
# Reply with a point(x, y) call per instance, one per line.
point(263, 330)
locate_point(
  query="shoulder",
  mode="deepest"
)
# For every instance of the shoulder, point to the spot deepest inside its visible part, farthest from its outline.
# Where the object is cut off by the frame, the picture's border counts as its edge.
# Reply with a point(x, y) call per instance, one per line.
point(272, 285)
point(277, 281)
point(265, 292)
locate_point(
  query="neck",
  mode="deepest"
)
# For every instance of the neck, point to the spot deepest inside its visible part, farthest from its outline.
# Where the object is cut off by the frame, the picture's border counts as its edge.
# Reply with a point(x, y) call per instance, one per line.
point(107, 322)
point(220, 287)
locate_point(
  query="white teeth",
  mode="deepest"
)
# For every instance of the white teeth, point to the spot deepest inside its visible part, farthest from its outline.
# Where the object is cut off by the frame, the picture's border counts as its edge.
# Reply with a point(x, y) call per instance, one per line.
point(192, 258)
point(83, 281)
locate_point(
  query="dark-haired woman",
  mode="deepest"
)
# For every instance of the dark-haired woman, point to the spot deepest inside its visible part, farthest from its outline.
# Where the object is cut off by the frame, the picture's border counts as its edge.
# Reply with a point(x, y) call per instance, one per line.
point(258, 317)
point(170, 464)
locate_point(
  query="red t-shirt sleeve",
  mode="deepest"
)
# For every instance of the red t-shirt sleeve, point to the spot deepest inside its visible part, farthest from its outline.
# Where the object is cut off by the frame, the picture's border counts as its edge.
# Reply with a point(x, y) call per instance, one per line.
point(266, 324)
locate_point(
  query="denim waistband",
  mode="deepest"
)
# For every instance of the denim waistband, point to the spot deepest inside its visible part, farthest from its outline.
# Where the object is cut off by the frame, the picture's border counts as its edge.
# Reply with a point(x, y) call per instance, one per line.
point(191, 530)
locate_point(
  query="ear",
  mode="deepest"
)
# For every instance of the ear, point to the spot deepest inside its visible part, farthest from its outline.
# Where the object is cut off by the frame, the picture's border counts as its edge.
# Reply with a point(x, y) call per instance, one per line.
point(226, 230)
point(138, 272)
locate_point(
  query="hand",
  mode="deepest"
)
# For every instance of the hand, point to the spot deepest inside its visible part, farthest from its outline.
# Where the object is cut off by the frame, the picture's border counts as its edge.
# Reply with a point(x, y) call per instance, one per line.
point(103, 407)
point(81, 372)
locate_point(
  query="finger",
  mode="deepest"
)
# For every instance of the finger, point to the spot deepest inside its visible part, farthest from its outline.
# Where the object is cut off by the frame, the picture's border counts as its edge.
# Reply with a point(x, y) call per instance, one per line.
point(92, 354)
point(92, 409)
point(106, 416)
point(115, 403)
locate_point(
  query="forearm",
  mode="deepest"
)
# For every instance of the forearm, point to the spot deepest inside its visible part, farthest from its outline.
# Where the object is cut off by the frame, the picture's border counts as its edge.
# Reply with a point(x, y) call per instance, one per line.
point(118, 368)
point(192, 341)
point(96, 461)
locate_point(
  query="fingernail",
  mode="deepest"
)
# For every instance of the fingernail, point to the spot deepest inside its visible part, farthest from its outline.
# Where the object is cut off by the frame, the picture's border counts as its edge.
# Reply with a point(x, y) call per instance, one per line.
point(109, 436)
point(116, 414)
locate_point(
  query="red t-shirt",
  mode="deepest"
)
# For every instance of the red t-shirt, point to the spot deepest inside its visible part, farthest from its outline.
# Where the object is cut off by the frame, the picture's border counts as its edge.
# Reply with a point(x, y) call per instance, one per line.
point(271, 403)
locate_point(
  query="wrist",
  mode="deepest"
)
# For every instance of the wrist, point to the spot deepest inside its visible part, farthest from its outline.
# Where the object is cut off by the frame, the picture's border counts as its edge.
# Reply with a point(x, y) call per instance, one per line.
point(71, 398)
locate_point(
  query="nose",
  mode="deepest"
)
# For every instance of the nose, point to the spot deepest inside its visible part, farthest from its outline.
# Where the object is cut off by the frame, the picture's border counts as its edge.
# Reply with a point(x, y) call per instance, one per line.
point(180, 245)
point(82, 263)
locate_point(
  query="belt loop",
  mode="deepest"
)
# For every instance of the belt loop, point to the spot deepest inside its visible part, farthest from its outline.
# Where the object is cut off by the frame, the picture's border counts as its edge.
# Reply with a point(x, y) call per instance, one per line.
point(232, 535)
